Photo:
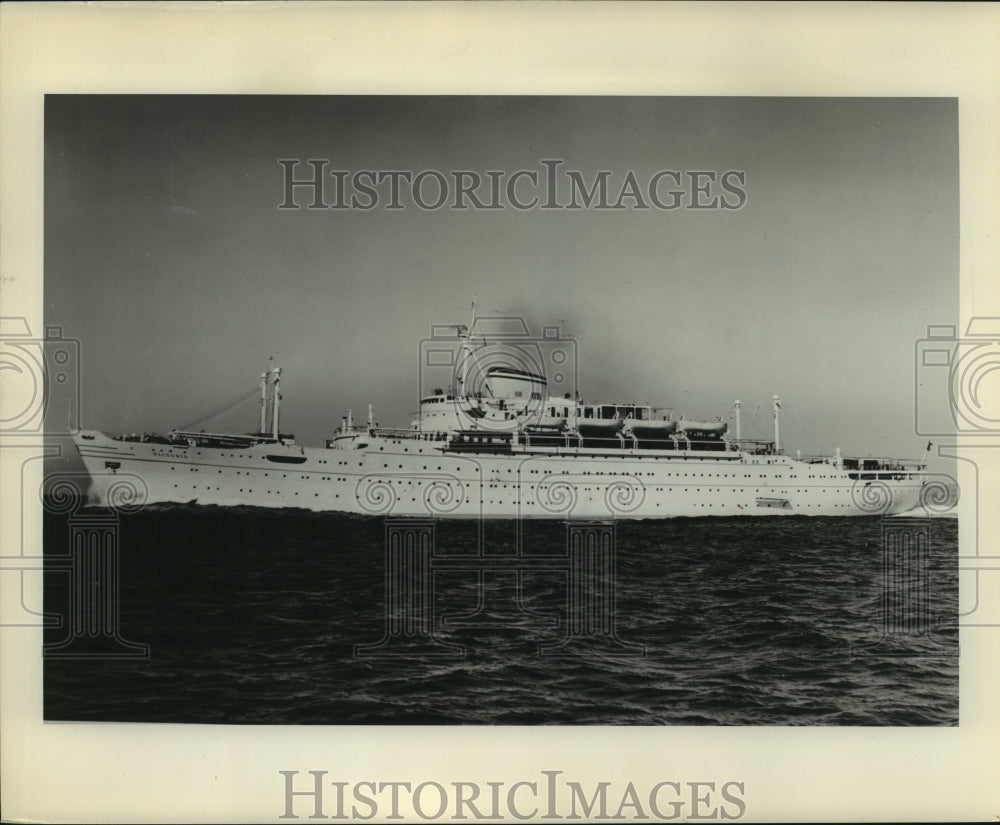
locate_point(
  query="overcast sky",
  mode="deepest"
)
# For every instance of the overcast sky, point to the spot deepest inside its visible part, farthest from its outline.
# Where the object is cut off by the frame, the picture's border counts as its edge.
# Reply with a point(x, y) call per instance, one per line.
point(167, 256)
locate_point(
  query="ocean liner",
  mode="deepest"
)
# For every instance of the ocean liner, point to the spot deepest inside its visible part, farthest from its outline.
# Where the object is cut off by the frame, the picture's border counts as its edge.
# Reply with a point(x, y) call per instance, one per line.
point(499, 442)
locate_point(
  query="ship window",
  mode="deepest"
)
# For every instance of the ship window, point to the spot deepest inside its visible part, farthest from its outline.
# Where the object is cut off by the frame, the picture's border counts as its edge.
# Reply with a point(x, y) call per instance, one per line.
point(518, 394)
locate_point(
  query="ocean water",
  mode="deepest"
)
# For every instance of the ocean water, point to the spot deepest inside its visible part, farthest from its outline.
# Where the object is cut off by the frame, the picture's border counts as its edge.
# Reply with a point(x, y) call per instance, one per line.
point(256, 616)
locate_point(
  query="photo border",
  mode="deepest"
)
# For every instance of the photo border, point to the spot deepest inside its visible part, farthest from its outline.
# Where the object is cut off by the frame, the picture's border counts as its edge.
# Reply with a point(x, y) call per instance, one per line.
point(135, 772)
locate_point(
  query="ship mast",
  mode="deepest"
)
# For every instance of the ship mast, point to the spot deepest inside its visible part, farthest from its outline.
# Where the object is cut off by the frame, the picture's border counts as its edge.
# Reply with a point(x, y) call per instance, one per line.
point(467, 346)
point(263, 403)
point(472, 322)
point(777, 427)
point(276, 400)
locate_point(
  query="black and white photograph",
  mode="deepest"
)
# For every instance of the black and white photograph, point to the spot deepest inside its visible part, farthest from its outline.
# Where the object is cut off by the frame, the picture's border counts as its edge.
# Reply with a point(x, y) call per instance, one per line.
point(514, 426)
point(462, 410)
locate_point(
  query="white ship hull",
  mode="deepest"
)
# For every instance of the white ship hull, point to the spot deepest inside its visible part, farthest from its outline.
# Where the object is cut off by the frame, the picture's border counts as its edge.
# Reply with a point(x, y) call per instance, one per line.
point(418, 476)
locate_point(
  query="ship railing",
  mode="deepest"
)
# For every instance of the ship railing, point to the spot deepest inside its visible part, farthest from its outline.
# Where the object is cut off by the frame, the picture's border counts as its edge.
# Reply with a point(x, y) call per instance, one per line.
point(226, 436)
point(199, 438)
point(140, 437)
point(870, 464)
point(415, 435)
point(821, 459)
point(754, 446)
point(569, 442)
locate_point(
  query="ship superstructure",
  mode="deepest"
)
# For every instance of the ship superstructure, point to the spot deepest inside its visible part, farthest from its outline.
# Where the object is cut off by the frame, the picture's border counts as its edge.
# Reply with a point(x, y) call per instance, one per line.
point(498, 443)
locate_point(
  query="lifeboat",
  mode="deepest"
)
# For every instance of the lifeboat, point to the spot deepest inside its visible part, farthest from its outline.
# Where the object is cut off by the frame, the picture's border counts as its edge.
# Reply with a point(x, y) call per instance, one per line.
point(547, 425)
point(711, 429)
point(650, 430)
point(599, 427)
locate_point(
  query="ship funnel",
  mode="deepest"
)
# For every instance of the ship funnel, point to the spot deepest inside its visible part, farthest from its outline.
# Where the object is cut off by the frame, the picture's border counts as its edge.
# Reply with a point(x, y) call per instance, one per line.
point(508, 382)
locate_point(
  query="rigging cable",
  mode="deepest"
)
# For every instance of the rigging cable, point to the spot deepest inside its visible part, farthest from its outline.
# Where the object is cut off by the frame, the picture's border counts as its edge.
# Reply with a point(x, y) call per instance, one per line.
point(809, 436)
point(224, 408)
